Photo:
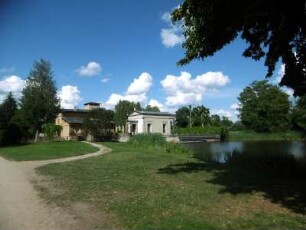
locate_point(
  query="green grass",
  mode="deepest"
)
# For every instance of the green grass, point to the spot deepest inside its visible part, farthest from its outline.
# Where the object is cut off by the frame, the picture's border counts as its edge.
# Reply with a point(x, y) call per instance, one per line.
point(156, 142)
point(46, 150)
point(142, 188)
point(251, 135)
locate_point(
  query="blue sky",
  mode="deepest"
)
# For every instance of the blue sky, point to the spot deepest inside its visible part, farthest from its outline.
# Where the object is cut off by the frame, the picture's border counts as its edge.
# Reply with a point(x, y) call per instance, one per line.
point(105, 51)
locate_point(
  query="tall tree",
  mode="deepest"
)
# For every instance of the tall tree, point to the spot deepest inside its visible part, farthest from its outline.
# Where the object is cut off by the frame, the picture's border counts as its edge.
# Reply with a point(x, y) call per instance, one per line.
point(298, 117)
point(39, 102)
point(123, 109)
point(9, 132)
point(200, 116)
point(274, 29)
point(182, 117)
point(99, 122)
point(264, 107)
point(215, 120)
point(226, 122)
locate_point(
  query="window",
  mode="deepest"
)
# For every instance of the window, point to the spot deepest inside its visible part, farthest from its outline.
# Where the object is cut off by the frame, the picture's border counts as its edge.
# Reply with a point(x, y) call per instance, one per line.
point(149, 128)
point(164, 128)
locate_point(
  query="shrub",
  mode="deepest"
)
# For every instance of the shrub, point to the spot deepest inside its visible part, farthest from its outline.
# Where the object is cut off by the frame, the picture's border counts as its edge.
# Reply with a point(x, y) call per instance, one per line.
point(156, 141)
point(147, 141)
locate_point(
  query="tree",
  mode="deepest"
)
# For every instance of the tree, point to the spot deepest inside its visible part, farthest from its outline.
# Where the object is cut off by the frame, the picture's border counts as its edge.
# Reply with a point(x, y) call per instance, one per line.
point(200, 116)
point(51, 130)
point(182, 117)
point(99, 123)
point(298, 117)
point(123, 109)
point(39, 102)
point(215, 120)
point(9, 131)
point(226, 122)
point(264, 107)
point(274, 29)
point(152, 108)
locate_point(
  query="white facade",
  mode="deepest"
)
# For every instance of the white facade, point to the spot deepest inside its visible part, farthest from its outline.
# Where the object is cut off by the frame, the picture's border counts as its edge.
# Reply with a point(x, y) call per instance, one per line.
point(150, 122)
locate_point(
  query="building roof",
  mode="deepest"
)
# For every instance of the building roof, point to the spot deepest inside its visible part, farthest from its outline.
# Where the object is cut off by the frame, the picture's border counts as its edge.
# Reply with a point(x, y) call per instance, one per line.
point(75, 110)
point(92, 103)
point(153, 113)
point(74, 120)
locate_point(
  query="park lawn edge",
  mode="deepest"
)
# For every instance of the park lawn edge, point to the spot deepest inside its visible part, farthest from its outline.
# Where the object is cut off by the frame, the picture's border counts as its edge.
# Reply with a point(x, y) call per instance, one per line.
point(46, 150)
point(140, 190)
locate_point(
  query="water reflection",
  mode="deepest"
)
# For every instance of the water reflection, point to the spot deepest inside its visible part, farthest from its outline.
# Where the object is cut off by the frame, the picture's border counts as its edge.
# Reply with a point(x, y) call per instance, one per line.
point(218, 151)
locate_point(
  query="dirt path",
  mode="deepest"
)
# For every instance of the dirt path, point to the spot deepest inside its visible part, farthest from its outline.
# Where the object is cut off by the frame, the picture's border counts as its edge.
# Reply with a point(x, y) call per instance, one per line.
point(20, 205)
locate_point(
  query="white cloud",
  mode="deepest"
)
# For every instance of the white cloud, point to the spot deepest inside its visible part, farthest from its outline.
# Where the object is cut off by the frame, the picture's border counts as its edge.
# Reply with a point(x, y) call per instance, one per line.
point(183, 90)
point(235, 106)
point(280, 74)
point(140, 85)
point(136, 92)
point(105, 80)
point(92, 68)
point(172, 35)
point(277, 80)
point(166, 17)
point(12, 84)
point(154, 102)
point(69, 96)
point(222, 112)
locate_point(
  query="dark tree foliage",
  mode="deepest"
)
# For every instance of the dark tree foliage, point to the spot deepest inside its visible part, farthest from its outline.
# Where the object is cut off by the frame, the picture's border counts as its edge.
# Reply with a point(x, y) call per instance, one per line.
point(123, 109)
point(274, 29)
point(215, 120)
point(264, 107)
point(192, 116)
point(226, 122)
point(200, 116)
point(182, 117)
point(39, 102)
point(9, 130)
point(52, 130)
point(152, 108)
point(137, 106)
point(99, 123)
point(298, 117)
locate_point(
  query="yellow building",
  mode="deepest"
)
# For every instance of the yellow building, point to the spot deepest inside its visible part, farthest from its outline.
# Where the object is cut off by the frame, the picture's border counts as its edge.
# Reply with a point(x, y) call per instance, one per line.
point(72, 121)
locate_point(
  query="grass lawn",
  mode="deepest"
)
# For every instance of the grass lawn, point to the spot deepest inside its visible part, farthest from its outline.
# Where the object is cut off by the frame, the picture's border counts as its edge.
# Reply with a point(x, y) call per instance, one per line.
point(46, 150)
point(146, 189)
point(253, 136)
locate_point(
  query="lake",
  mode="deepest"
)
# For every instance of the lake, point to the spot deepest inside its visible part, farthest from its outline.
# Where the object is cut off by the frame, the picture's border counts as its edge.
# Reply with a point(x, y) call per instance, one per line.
point(218, 151)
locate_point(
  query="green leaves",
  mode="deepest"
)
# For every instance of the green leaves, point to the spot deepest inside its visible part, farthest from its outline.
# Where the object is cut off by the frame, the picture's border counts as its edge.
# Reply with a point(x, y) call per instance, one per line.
point(99, 123)
point(264, 107)
point(39, 102)
point(123, 109)
point(273, 29)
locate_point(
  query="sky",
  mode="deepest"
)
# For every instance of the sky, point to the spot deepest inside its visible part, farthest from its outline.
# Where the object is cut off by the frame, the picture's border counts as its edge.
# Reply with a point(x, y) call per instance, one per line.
point(106, 51)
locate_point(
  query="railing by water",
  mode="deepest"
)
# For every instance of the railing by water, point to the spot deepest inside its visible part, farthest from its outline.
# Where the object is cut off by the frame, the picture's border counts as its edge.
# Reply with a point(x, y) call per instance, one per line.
point(198, 138)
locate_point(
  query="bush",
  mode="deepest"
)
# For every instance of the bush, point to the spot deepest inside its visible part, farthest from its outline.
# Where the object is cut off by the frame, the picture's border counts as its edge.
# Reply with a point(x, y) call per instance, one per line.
point(156, 141)
point(147, 141)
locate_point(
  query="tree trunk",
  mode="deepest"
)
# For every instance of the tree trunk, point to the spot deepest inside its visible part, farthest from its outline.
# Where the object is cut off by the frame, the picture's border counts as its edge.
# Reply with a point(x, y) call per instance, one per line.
point(36, 136)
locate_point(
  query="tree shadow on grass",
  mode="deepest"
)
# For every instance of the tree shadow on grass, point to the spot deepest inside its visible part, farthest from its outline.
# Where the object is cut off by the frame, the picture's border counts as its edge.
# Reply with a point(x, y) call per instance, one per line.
point(287, 189)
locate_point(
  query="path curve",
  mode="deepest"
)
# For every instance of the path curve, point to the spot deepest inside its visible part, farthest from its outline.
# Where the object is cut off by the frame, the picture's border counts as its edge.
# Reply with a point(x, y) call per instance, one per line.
point(20, 205)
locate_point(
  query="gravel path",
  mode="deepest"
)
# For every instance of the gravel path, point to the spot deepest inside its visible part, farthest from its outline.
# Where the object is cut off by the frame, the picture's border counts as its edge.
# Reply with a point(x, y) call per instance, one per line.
point(20, 205)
